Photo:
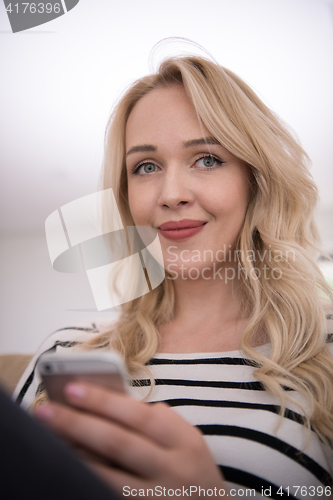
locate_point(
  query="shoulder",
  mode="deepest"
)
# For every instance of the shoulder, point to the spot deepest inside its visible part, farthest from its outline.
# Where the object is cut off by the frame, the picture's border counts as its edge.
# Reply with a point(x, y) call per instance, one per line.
point(63, 340)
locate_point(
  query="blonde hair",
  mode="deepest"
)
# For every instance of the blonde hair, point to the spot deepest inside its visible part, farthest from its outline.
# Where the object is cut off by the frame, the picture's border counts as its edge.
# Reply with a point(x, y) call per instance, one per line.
point(279, 222)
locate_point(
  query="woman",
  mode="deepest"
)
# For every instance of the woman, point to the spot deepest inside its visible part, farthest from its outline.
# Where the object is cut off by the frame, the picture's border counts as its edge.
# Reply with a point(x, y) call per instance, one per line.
point(235, 338)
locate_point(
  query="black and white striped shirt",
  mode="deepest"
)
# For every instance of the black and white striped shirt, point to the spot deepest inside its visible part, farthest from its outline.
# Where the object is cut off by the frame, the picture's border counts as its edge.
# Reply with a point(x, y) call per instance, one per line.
point(218, 393)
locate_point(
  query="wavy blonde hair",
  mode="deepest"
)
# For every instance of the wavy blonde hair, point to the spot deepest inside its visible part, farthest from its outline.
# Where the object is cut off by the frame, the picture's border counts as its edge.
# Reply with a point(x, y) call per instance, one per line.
point(279, 221)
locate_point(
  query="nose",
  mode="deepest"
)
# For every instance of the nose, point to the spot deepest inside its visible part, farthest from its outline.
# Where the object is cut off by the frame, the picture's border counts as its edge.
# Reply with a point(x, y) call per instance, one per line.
point(176, 188)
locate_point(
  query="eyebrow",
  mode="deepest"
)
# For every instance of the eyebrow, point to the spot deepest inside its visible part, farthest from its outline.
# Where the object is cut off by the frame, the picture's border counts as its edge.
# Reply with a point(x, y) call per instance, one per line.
point(143, 148)
point(199, 142)
point(187, 144)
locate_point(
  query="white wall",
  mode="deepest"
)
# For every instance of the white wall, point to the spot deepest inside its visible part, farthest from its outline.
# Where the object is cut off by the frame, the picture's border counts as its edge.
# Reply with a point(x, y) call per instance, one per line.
point(36, 300)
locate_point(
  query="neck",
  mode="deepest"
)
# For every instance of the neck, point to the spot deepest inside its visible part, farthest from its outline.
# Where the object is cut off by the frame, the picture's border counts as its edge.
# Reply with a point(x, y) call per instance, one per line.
point(207, 317)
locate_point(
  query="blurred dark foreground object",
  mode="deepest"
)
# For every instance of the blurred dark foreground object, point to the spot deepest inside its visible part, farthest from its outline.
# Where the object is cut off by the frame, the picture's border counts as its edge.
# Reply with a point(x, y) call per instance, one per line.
point(36, 464)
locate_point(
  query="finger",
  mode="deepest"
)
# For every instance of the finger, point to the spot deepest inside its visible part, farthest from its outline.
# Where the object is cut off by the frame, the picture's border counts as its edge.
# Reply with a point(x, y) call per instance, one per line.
point(109, 440)
point(156, 421)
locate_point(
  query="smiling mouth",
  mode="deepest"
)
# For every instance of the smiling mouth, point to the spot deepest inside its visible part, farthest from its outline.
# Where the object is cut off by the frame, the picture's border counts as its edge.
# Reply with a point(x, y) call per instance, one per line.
point(182, 230)
point(182, 224)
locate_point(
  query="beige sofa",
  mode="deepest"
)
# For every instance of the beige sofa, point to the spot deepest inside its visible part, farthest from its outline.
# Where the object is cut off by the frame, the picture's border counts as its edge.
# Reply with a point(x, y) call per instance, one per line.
point(11, 368)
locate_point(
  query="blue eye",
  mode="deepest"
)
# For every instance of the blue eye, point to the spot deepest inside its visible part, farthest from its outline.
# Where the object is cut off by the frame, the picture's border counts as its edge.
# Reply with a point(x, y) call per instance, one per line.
point(147, 168)
point(208, 162)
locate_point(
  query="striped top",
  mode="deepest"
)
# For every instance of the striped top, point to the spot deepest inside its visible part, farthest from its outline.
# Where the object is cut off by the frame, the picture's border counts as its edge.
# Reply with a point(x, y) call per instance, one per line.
point(218, 393)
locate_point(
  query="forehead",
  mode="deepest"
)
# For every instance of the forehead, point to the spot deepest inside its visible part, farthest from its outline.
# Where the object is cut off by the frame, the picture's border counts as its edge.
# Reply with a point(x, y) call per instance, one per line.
point(164, 112)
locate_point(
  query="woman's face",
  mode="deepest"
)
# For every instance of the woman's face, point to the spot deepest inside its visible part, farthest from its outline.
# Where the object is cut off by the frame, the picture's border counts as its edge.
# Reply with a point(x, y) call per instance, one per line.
point(177, 173)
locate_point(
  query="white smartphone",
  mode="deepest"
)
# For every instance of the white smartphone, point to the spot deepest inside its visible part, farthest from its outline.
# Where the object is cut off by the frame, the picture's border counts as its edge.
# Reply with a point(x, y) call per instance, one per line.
point(106, 369)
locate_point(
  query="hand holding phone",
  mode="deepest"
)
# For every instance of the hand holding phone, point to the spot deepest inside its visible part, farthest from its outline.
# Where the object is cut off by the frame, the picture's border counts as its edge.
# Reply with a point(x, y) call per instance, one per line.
point(106, 369)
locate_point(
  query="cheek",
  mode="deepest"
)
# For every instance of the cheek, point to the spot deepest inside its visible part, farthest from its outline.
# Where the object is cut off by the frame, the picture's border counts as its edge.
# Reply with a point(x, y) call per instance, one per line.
point(231, 202)
point(139, 207)
point(239, 193)
point(135, 211)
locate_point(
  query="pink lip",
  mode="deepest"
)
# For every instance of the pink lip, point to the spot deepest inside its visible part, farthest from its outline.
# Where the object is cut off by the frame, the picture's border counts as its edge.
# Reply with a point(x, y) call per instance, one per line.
point(181, 224)
point(181, 230)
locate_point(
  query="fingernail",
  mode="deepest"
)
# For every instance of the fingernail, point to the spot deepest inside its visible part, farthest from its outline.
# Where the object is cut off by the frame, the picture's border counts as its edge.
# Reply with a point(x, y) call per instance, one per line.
point(44, 412)
point(75, 391)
